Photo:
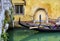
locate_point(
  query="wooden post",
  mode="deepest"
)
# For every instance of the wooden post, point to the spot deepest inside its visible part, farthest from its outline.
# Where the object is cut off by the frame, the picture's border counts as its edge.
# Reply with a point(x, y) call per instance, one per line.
point(39, 21)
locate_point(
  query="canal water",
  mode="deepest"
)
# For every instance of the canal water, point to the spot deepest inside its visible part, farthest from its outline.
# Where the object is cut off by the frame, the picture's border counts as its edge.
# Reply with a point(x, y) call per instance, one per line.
point(32, 35)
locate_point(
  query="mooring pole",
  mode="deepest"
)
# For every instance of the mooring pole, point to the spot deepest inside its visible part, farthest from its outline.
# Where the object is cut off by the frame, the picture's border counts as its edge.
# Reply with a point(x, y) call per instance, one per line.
point(39, 21)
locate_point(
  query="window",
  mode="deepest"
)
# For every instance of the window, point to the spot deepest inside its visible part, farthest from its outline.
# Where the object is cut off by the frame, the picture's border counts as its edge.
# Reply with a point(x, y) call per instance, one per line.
point(19, 9)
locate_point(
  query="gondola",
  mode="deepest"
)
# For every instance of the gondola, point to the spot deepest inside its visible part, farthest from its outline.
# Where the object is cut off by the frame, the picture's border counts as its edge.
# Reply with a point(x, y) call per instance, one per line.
point(45, 27)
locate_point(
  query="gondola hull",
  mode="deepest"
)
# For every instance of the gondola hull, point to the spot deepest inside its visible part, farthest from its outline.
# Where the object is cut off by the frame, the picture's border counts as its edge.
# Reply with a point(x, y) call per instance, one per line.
point(38, 28)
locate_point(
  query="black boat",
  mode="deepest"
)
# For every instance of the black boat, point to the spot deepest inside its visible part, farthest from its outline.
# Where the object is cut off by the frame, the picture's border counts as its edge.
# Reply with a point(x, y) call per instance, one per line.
point(40, 26)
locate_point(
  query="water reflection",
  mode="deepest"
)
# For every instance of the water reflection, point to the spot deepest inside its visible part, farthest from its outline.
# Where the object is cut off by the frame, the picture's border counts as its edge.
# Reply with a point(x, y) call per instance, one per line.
point(28, 35)
point(43, 36)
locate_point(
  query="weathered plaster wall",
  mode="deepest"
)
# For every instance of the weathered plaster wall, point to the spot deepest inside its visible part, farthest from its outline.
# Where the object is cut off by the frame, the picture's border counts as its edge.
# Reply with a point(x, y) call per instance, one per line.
point(51, 6)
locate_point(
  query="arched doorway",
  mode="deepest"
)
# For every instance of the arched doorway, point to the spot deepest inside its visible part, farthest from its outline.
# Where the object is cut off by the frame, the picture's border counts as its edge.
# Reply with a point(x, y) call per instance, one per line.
point(40, 12)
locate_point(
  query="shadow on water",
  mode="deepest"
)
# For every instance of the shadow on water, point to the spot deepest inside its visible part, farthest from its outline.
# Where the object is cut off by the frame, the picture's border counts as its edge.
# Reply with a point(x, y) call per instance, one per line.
point(32, 35)
point(11, 36)
point(43, 36)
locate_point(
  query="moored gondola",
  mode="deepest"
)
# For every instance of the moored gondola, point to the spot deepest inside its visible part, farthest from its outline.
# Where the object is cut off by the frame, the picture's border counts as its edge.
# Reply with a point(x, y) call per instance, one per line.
point(41, 27)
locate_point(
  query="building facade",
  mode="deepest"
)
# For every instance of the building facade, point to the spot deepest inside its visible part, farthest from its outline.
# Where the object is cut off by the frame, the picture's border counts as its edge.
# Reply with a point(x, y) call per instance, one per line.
point(4, 5)
point(26, 9)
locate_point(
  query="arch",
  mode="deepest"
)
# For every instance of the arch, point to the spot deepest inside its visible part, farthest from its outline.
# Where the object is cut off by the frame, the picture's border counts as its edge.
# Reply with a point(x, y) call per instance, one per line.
point(40, 9)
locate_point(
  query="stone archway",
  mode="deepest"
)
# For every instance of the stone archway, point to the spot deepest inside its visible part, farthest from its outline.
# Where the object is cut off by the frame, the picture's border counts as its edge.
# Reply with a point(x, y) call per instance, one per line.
point(43, 13)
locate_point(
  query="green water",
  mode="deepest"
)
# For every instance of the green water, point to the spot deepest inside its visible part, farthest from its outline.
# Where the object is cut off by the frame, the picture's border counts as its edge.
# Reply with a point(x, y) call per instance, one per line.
point(31, 35)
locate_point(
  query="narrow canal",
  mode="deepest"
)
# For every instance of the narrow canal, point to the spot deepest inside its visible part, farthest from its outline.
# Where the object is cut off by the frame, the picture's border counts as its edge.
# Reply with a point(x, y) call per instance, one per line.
point(32, 35)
